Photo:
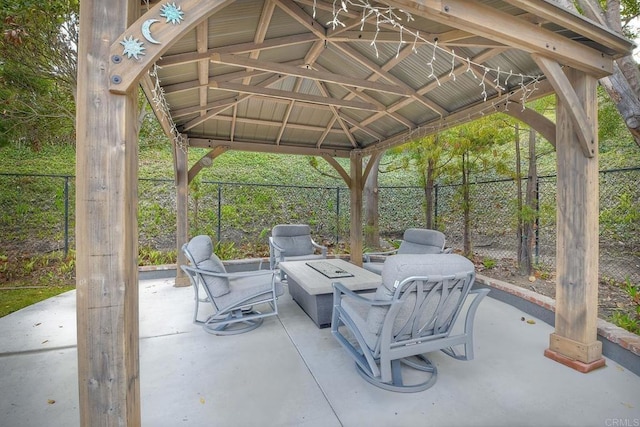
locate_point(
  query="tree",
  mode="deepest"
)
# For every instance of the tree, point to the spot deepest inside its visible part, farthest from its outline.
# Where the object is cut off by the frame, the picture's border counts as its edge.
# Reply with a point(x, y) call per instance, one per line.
point(429, 155)
point(476, 150)
point(623, 86)
point(371, 213)
point(38, 70)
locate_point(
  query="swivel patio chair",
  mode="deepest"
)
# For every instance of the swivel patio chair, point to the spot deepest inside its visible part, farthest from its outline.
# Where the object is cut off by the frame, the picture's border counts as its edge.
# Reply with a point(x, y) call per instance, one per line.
point(414, 241)
point(231, 295)
point(412, 313)
point(293, 242)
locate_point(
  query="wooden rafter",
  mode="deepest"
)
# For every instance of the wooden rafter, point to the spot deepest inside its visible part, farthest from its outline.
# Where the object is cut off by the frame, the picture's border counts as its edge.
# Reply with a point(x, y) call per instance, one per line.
point(512, 31)
point(307, 73)
point(257, 146)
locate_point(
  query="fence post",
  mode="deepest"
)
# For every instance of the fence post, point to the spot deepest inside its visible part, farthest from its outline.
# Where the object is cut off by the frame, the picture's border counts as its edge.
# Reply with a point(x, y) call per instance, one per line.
point(337, 215)
point(219, 212)
point(66, 216)
point(435, 206)
point(537, 250)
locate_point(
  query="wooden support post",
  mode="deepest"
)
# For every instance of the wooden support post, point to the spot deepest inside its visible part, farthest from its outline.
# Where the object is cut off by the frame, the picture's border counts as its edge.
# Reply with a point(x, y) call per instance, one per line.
point(106, 226)
point(355, 187)
point(574, 342)
point(182, 210)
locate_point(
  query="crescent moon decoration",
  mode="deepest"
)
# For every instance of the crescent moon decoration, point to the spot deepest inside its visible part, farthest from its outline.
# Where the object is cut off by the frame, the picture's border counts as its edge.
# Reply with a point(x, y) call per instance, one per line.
point(146, 30)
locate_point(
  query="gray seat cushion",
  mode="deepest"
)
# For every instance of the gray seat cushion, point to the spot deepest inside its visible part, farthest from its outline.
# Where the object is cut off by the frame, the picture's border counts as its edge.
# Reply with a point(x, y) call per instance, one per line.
point(399, 267)
point(295, 239)
point(374, 267)
point(244, 287)
point(422, 241)
point(201, 249)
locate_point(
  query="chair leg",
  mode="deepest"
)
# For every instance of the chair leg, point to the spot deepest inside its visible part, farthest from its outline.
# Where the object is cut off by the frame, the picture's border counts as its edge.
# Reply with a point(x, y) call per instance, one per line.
point(417, 363)
point(233, 324)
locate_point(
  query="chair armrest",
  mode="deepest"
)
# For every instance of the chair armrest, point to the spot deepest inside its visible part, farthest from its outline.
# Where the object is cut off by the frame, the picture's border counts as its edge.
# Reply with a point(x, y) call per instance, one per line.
point(274, 245)
point(322, 248)
point(276, 253)
point(234, 275)
point(473, 307)
point(367, 255)
point(339, 290)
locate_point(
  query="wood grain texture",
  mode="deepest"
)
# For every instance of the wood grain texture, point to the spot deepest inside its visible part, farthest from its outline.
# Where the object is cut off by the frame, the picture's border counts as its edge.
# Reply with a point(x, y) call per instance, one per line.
point(106, 227)
point(577, 247)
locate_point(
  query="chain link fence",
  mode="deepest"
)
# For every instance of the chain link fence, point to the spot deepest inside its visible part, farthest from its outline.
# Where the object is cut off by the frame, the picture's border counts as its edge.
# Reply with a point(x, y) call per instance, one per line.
point(37, 215)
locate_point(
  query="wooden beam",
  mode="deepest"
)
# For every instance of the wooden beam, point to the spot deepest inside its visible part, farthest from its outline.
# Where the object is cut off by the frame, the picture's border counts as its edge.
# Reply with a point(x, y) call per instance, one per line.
point(278, 42)
point(493, 24)
point(345, 128)
point(278, 68)
point(261, 147)
point(182, 212)
point(355, 201)
point(577, 23)
point(241, 97)
point(408, 91)
point(574, 341)
point(311, 99)
point(296, 12)
point(535, 120)
point(273, 123)
point(338, 167)
point(125, 69)
point(106, 227)
point(567, 95)
point(205, 161)
point(456, 118)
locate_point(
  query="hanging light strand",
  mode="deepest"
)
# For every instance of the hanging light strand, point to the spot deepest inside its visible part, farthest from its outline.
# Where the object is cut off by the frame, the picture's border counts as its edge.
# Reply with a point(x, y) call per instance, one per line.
point(162, 106)
point(395, 18)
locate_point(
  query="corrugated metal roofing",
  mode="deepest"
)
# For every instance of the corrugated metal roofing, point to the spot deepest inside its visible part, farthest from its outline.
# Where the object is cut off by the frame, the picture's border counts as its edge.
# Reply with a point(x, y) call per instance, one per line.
point(282, 74)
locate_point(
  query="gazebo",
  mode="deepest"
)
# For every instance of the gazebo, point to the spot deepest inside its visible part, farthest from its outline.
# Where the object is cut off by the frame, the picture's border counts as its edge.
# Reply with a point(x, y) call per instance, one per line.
point(345, 79)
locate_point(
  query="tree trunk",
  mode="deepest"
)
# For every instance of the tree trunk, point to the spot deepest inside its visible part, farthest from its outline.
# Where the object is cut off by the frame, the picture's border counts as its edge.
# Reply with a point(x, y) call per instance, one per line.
point(428, 192)
point(623, 86)
point(466, 206)
point(370, 196)
point(626, 100)
point(518, 182)
point(525, 258)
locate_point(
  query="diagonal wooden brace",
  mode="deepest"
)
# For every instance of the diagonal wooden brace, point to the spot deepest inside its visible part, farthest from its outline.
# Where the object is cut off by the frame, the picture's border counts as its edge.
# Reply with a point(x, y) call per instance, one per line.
point(566, 93)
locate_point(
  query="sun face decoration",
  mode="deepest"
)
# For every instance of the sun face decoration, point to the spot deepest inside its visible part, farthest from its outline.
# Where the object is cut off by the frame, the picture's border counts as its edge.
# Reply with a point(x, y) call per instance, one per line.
point(172, 13)
point(132, 47)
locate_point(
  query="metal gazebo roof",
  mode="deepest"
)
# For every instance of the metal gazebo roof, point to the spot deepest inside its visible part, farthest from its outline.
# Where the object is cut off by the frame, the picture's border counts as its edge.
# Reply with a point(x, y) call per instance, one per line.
point(322, 77)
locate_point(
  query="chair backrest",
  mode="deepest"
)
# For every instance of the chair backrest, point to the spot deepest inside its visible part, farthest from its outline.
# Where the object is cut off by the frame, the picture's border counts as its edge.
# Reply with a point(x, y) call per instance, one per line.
point(422, 241)
point(199, 252)
point(295, 239)
point(428, 294)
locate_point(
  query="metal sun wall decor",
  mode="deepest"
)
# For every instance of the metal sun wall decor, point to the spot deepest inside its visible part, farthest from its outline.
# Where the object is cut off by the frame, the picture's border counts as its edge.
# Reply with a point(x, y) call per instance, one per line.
point(134, 48)
point(173, 15)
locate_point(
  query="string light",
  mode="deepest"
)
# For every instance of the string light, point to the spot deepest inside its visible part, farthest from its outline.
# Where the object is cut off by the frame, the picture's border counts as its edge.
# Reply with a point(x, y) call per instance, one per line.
point(161, 104)
point(395, 17)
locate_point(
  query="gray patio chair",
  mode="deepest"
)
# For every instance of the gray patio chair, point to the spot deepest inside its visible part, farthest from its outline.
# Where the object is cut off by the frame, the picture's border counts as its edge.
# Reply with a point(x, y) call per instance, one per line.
point(231, 295)
point(293, 242)
point(414, 241)
point(412, 313)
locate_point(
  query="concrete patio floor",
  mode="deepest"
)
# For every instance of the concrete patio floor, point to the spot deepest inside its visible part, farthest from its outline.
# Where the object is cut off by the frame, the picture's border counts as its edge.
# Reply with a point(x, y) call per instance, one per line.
point(290, 373)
